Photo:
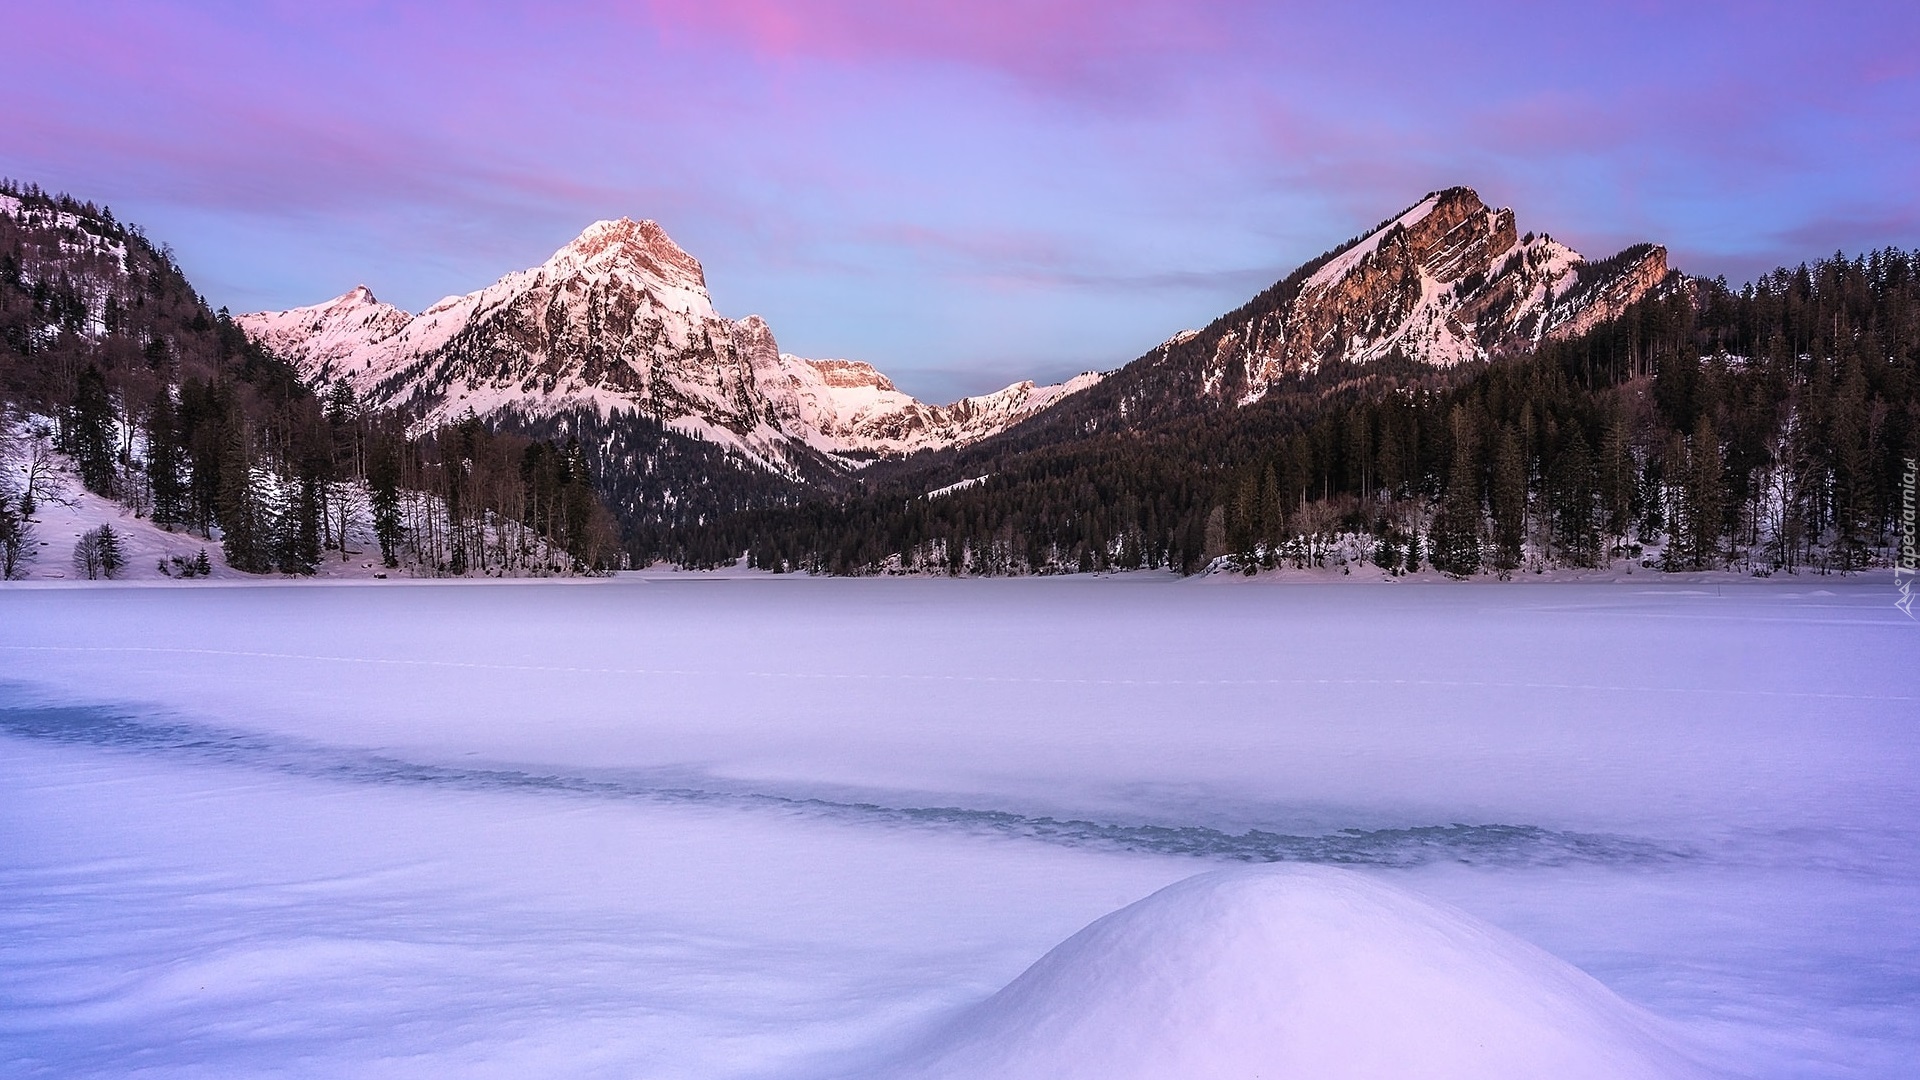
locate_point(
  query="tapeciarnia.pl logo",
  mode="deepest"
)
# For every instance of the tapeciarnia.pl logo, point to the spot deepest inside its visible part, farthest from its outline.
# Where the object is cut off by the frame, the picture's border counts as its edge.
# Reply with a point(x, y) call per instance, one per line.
point(1908, 564)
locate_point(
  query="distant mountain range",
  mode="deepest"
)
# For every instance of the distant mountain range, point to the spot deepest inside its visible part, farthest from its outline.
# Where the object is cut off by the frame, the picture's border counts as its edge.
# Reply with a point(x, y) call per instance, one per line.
point(619, 323)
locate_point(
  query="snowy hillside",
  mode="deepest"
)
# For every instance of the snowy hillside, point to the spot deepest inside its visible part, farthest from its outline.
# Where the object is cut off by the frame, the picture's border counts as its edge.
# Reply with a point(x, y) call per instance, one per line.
point(64, 511)
point(619, 320)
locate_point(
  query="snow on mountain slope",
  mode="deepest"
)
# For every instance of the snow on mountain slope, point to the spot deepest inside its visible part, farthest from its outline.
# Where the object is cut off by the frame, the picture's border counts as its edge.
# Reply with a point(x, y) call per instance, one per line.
point(329, 338)
point(1446, 282)
point(847, 406)
point(1298, 971)
point(620, 320)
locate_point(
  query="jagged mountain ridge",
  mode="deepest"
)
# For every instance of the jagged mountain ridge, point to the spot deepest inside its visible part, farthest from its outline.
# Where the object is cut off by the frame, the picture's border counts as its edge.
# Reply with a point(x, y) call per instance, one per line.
point(1447, 281)
point(619, 321)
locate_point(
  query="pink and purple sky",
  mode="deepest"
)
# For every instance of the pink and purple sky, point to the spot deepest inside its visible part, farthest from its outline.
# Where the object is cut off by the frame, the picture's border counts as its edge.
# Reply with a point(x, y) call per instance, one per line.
point(962, 194)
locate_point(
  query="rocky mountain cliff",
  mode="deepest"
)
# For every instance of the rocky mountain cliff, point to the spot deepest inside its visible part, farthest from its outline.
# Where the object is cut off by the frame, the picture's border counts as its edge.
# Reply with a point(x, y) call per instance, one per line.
point(1448, 281)
point(1445, 282)
point(619, 322)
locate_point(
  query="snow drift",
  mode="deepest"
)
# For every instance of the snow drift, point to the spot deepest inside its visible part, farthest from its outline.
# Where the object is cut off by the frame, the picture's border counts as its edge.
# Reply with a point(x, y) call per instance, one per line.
point(1297, 971)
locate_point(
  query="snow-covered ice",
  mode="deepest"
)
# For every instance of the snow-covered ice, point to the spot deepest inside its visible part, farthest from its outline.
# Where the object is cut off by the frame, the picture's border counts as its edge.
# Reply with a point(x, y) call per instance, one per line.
point(788, 827)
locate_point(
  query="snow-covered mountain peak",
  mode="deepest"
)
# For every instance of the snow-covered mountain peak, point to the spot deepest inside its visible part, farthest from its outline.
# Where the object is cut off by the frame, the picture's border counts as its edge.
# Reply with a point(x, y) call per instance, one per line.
point(619, 320)
point(357, 302)
point(324, 338)
point(628, 244)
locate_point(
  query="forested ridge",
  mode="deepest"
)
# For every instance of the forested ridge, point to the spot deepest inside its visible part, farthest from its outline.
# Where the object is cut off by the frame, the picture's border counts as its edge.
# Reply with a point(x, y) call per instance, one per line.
point(1763, 429)
point(169, 408)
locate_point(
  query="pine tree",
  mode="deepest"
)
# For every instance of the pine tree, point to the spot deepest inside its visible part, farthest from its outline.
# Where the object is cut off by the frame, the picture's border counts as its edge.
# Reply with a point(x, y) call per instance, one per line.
point(1387, 554)
point(1616, 478)
point(341, 407)
point(383, 489)
point(1454, 539)
point(112, 559)
point(300, 542)
point(243, 532)
point(453, 475)
point(1703, 497)
point(1508, 502)
point(1272, 519)
point(1576, 531)
point(89, 434)
point(166, 462)
point(1849, 443)
point(1649, 492)
point(1243, 514)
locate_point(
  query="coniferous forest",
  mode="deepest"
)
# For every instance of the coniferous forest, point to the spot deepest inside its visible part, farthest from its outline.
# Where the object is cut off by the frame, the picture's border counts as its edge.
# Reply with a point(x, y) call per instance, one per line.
point(1762, 429)
point(108, 355)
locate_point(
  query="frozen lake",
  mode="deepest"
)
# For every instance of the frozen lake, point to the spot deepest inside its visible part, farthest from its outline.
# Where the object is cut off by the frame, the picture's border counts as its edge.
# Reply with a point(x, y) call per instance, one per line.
point(778, 827)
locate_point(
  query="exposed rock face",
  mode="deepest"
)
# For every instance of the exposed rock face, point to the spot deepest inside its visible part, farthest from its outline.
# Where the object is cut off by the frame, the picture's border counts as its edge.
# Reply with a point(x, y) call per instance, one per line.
point(1635, 273)
point(1446, 282)
point(620, 320)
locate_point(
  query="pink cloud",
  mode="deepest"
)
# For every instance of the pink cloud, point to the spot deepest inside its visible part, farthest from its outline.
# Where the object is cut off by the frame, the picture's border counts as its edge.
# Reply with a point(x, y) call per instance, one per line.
point(1060, 45)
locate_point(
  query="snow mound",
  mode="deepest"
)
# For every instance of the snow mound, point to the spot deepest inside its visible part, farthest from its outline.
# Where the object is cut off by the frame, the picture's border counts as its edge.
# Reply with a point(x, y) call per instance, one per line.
point(1295, 971)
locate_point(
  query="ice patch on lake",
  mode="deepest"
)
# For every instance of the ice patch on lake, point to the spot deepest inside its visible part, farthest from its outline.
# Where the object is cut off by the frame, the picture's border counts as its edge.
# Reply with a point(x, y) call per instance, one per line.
point(1477, 844)
point(1297, 971)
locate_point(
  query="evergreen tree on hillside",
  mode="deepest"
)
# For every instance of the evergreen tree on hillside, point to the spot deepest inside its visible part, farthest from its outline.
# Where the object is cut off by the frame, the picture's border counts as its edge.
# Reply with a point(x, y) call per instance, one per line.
point(1706, 493)
point(89, 434)
point(1850, 450)
point(1615, 479)
point(166, 462)
point(1455, 537)
point(1508, 502)
point(244, 529)
point(299, 548)
point(383, 489)
point(1576, 529)
point(112, 558)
